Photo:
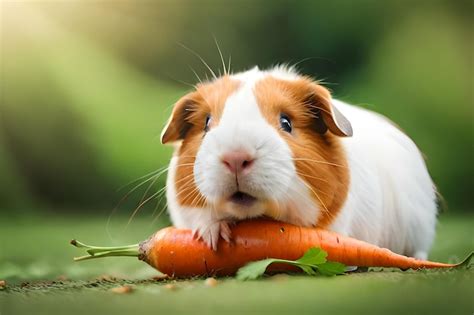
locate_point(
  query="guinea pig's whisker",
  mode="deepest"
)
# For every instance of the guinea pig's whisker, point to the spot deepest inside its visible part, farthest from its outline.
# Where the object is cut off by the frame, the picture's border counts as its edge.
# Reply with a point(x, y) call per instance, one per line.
point(158, 202)
point(310, 160)
point(163, 208)
point(317, 196)
point(202, 199)
point(296, 64)
point(144, 176)
point(321, 191)
point(194, 193)
point(197, 195)
point(185, 166)
point(154, 195)
point(186, 185)
point(158, 215)
point(222, 58)
point(158, 174)
point(162, 190)
point(200, 58)
point(318, 161)
point(187, 188)
point(139, 207)
point(196, 200)
point(149, 187)
point(152, 178)
point(151, 175)
point(197, 76)
point(184, 178)
point(290, 196)
point(306, 175)
point(228, 65)
point(181, 81)
point(159, 194)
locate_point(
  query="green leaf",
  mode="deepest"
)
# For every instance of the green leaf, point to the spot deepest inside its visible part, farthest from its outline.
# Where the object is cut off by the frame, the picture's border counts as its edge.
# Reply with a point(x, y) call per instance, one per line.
point(255, 269)
point(311, 263)
point(466, 263)
point(313, 256)
point(331, 268)
point(308, 270)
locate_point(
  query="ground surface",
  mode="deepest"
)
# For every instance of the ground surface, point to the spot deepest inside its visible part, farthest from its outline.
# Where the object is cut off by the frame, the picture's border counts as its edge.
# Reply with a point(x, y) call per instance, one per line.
point(35, 260)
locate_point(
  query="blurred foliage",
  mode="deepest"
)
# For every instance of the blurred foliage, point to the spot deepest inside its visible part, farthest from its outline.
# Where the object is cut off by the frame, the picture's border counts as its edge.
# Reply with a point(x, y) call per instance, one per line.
point(87, 86)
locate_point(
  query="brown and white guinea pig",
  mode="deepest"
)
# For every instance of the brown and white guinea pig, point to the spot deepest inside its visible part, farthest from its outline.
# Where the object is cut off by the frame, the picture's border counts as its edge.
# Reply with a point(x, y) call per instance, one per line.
point(274, 143)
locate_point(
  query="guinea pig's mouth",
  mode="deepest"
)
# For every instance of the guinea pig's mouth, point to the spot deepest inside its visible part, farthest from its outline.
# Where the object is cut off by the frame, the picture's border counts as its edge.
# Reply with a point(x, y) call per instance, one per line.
point(242, 199)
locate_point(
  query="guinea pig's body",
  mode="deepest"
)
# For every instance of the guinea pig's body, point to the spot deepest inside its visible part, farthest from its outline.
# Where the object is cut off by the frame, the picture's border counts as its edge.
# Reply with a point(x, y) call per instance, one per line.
point(391, 200)
point(273, 143)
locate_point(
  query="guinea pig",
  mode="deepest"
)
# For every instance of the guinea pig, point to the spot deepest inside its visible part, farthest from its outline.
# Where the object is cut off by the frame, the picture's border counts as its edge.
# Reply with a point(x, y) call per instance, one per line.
point(274, 143)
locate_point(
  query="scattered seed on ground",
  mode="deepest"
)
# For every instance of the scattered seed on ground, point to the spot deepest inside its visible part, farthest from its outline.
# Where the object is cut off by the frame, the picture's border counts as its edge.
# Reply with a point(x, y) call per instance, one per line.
point(122, 290)
point(210, 282)
point(170, 286)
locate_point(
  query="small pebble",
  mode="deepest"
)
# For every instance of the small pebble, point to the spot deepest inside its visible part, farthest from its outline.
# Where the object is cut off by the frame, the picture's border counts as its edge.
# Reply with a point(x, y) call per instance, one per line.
point(122, 290)
point(210, 282)
point(3, 284)
point(170, 286)
point(62, 278)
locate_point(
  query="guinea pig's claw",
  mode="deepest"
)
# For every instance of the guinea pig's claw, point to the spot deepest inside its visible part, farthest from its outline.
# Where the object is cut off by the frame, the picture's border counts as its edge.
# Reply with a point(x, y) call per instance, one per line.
point(225, 231)
point(212, 233)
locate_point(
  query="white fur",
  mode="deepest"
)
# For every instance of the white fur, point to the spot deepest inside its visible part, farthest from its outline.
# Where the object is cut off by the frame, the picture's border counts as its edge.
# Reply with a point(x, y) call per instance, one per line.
point(242, 127)
point(273, 175)
point(391, 200)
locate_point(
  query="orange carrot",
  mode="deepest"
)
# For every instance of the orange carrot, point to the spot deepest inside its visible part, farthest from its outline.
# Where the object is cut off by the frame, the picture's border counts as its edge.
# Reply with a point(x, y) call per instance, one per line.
point(176, 253)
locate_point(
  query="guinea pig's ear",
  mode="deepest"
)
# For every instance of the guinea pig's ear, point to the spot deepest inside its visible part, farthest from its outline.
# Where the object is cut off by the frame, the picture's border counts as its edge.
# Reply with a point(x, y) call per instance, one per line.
point(178, 125)
point(327, 116)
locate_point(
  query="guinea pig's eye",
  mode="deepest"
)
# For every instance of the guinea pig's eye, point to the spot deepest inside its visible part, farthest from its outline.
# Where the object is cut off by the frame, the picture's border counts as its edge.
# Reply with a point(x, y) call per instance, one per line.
point(208, 121)
point(285, 123)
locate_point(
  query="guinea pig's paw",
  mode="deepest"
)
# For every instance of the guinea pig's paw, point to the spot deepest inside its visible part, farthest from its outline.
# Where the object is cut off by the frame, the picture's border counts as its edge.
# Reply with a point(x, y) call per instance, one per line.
point(210, 234)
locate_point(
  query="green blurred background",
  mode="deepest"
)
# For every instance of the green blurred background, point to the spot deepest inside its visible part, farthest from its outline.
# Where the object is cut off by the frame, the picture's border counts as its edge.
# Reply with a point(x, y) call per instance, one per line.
point(86, 86)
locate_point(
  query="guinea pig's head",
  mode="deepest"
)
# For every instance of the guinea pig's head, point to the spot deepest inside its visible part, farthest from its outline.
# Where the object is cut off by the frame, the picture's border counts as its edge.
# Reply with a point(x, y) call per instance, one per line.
point(260, 142)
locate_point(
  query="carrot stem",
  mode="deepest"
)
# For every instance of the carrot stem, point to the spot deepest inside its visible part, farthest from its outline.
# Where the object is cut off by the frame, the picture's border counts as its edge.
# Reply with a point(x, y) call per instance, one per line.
point(106, 251)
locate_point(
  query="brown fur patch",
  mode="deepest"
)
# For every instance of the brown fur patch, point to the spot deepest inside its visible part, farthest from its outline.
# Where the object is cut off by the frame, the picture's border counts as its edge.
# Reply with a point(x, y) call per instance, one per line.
point(209, 98)
point(319, 158)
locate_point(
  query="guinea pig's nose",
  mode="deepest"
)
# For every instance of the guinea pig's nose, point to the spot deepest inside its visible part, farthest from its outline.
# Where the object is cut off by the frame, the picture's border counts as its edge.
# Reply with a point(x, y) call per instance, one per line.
point(237, 161)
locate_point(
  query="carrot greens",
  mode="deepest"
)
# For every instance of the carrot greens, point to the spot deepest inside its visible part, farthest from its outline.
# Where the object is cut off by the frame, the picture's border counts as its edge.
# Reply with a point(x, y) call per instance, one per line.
point(313, 262)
